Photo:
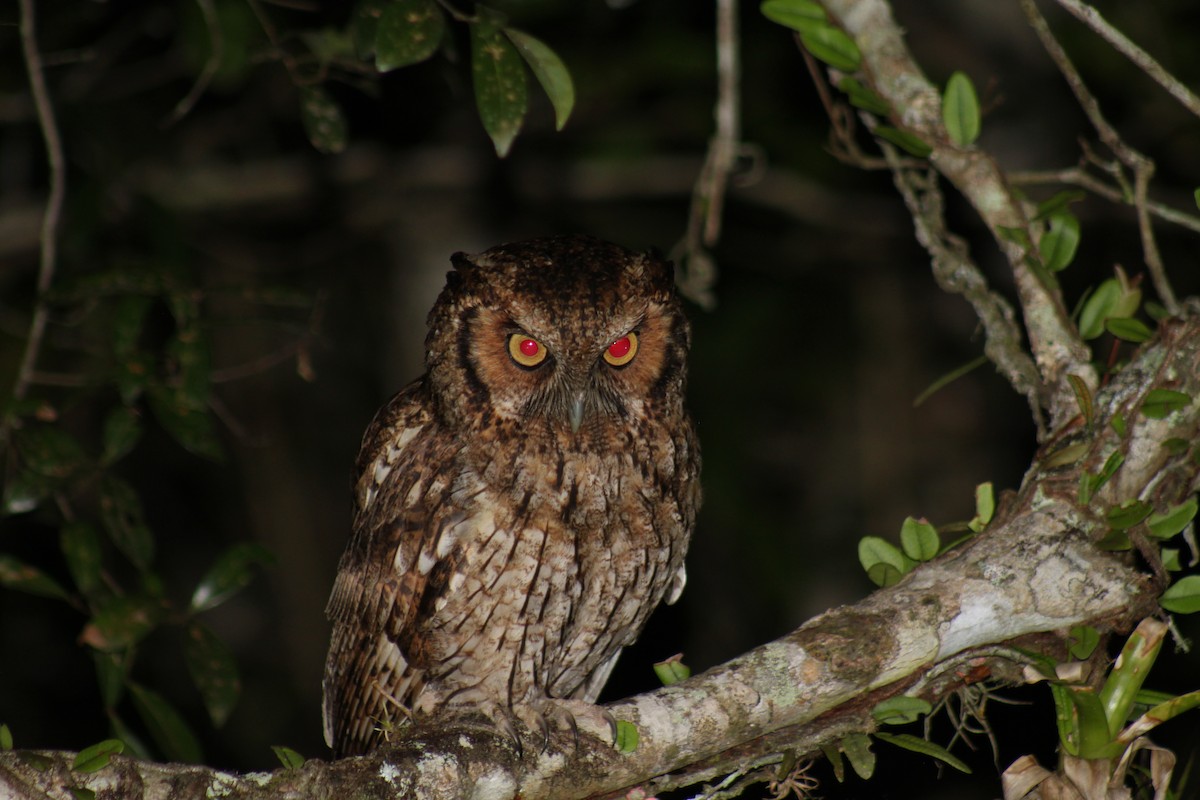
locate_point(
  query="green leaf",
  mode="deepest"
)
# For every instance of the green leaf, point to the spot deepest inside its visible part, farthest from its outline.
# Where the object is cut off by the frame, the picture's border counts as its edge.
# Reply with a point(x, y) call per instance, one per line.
point(166, 726)
point(129, 316)
point(799, 15)
point(80, 546)
point(25, 491)
point(1065, 455)
point(1128, 514)
point(960, 110)
point(882, 560)
point(1173, 520)
point(288, 757)
point(1129, 672)
point(833, 46)
point(499, 79)
point(110, 678)
point(121, 623)
point(1089, 484)
point(627, 736)
point(50, 451)
point(1118, 423)
point(1115, 540)
point(133, 743)
point(1015, 235)
point(985, 502)
point(122, 430)
point(1058, 245)
point(364, 26)
point(925, 747)
point(19, 576)
point(323, 120)
point(229, 574)
point(1098, 308)
point(1084, 639)
point(329, 45)
point(1128, 329)
point(1088, 725)
point(1176, 445)
point(1083, 398)
point(1183, 596)
point(1170, 559)
point(123, 520)
point(857, 747)
point(900, 710)
point(35, 761)
point(1059, 202)
point(190, 425)
point(408, 32)
point(550, 72)
point(949, 378)
point(1161, 402)
point(672, 670)
point(834, 757)
point(1173, 707)
point(862, 97)
point(919, 539)
point(98, 756)
point(6, 740)
point(81, 793)
point(213, 670)
point(906, 141)
point(1196, 197)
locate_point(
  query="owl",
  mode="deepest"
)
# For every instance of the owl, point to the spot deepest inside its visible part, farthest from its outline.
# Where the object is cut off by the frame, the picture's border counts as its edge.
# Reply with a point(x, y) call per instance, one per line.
point(523, 506)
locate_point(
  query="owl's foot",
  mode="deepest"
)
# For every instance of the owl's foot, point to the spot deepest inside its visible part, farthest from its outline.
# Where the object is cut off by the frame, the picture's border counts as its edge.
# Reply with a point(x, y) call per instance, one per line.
point(568, 716)
point(541, 719)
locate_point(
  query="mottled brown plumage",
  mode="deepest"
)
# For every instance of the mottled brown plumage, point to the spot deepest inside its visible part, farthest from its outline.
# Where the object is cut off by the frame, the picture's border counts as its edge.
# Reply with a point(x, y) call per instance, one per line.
point(516, 524)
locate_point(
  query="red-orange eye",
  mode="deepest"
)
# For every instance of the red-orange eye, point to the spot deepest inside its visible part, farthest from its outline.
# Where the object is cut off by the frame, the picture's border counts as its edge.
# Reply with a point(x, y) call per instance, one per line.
point(622, 351)
point(525, 350)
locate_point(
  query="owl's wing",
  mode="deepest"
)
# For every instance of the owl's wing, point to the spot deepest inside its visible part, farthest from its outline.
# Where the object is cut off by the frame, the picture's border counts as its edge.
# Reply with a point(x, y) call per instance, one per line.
point(376, 592)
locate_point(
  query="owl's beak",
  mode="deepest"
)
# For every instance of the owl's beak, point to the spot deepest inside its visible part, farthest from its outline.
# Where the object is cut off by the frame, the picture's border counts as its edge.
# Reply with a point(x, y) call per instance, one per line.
point(575, 415)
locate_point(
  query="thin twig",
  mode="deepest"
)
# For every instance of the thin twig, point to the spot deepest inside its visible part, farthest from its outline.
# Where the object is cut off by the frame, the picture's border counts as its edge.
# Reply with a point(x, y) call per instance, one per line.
point(708, 196)
point(1142, 166)
point(48, 237)
point(216, 41)
point(1122, 44)
point(1076, 176)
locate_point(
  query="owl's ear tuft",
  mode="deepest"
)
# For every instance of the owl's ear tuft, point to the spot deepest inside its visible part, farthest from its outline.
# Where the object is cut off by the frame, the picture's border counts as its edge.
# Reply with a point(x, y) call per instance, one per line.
point(462, 263)
point(658, 269)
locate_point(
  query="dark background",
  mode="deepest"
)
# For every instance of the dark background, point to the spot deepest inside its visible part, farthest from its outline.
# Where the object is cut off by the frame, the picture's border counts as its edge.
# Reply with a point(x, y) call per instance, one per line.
point(827, 324)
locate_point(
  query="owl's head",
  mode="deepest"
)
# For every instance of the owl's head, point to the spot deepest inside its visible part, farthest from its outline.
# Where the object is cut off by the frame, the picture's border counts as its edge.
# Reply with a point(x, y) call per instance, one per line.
point(568, 332)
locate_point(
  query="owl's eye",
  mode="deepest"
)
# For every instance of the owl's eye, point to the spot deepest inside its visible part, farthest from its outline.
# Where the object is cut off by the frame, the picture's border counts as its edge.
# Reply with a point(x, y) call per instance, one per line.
point(622, 351)
point(526, 351)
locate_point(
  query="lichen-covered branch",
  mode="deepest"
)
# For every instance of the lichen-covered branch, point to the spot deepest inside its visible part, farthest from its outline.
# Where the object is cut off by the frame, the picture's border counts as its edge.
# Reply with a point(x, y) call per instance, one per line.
point(1034, 571)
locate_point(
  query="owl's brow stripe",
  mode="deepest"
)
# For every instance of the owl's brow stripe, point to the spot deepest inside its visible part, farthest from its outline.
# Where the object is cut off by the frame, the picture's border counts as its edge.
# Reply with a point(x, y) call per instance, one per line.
point(675, 351)
point(464, 351)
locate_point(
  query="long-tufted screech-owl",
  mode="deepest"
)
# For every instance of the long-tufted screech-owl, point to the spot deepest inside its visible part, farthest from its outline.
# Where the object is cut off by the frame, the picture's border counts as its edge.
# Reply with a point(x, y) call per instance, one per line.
point(524, 505)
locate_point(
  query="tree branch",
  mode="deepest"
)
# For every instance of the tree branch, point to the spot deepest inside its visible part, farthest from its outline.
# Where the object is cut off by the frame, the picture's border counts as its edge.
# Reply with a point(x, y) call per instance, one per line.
point(1122, 44)
point(1034, 572)
point(896, 77)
